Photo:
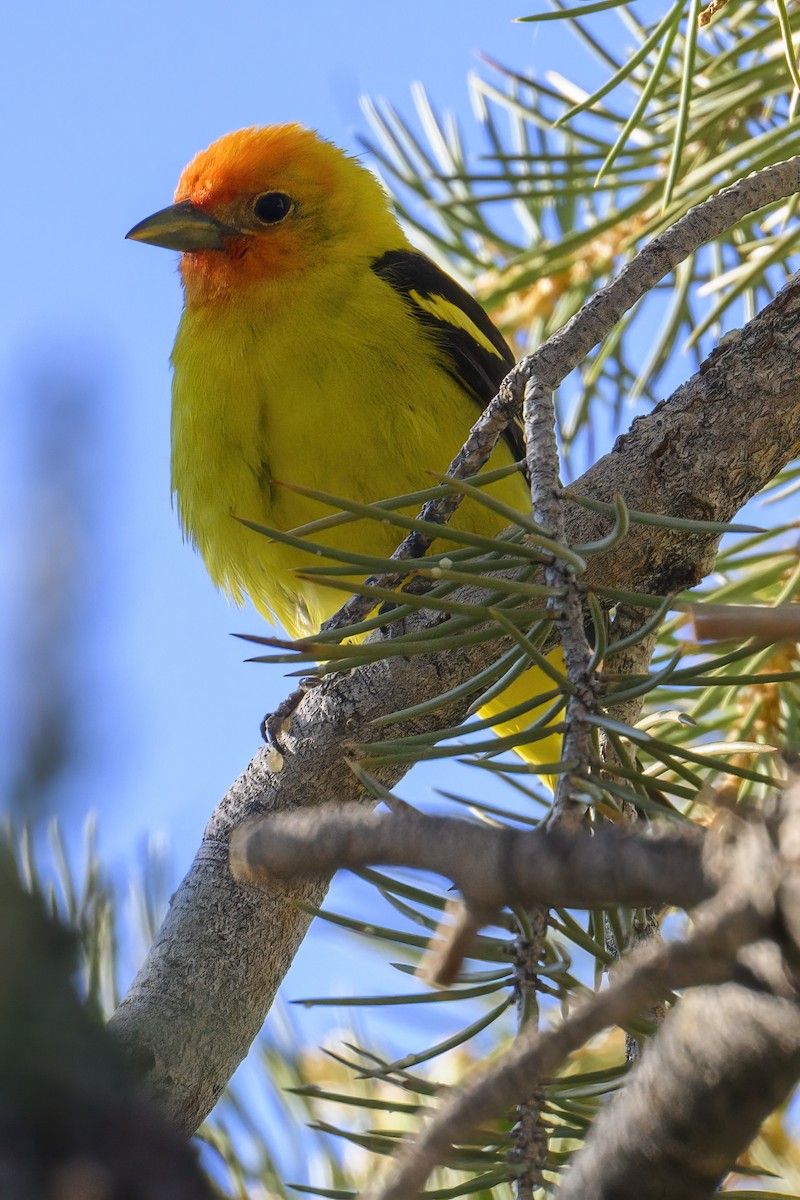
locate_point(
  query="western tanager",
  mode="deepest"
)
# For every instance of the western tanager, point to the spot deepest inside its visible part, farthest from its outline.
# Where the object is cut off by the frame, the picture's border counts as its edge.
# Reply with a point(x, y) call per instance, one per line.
point(316, 347)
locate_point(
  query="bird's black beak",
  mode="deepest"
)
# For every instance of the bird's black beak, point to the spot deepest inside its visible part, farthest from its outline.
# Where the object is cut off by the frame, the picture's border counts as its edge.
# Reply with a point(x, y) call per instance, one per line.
point(182, 227)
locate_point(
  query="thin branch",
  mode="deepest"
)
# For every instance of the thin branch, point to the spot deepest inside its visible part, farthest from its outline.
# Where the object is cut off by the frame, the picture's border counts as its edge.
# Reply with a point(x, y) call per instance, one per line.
point(710, 11)
point(452, 942)
point(757, 863)
point(529, 1149)
point(492, 868)
point(718, 622)
point(726, 923)
point(549, 509)
point(728, 940)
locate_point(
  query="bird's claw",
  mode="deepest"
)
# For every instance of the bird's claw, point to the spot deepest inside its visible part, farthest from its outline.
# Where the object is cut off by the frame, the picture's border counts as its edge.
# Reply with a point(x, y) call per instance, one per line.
point(393, 627)
point(275, 724)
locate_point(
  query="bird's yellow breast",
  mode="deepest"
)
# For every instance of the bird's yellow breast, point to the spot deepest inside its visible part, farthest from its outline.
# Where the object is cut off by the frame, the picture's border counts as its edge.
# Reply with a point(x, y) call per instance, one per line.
point(332, 384)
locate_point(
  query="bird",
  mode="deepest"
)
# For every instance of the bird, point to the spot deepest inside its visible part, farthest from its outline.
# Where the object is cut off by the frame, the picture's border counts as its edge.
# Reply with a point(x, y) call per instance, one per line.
point(317, 347)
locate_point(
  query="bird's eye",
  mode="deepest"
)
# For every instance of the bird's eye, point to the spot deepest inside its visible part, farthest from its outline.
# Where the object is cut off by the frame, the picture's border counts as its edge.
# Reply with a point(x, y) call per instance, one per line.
point(272, 207)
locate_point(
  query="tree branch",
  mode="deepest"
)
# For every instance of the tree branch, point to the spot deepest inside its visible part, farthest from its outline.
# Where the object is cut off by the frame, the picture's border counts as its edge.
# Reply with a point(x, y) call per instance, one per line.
point(739, 914)
point(210, 976)
point(723, 1060)
point(492, 868)
point(549, 511)
point(661, 1127)
point(719, 622)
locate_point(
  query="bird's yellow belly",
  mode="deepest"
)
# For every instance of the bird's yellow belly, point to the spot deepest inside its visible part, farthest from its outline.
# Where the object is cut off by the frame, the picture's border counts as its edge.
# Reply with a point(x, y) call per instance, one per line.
point(252, 411)
point(248, 417)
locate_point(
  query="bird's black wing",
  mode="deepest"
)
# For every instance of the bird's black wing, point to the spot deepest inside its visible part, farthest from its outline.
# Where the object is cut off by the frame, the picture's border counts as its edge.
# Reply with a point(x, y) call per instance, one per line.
point(475, 352)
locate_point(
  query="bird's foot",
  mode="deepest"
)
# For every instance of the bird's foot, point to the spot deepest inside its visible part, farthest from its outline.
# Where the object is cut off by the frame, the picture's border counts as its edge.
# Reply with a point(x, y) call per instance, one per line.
point(393, 627)
point(275, 724)
point(417, 585)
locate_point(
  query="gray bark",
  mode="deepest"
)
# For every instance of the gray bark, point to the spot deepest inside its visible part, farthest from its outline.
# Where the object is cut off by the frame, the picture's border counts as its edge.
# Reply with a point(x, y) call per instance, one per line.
point(724, 1059)
point(210, 977)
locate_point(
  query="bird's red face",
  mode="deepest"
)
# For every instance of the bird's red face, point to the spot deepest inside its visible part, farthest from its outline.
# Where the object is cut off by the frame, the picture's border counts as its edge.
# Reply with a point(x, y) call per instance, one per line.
point(263, 204)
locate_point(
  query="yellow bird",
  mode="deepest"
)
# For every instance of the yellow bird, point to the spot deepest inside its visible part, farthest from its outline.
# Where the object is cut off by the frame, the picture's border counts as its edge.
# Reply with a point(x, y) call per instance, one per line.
point(316, 347)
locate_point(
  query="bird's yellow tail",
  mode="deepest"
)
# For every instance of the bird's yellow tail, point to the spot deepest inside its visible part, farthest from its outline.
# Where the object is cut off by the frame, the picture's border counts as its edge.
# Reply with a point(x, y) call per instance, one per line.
point(544, 750)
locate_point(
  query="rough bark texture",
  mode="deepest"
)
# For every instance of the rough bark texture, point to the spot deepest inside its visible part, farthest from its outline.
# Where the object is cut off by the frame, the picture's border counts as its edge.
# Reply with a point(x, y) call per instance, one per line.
point(699, 1095)
point(210, 977)
point(701, 1063)
point(491, 868)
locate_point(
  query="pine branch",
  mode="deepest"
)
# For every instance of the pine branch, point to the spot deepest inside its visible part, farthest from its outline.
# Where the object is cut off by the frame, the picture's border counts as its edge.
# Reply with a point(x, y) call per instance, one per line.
point(740, 914)
point(209, 979)
point(492, 868)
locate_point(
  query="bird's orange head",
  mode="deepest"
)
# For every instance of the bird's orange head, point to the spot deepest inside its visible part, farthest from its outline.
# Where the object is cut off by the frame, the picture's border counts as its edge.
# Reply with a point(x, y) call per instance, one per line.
point(263, 204)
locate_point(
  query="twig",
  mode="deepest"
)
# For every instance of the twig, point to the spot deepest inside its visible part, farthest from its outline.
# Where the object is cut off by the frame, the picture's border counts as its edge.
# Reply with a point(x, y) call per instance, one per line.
point(491, 868)
point(528, 1151)
point(742, 913)
point(738, 916)
point(707, 957)
point(541, 451)
point(548, 512)
point(718, 622)
point(452, 941)
point(710, 11)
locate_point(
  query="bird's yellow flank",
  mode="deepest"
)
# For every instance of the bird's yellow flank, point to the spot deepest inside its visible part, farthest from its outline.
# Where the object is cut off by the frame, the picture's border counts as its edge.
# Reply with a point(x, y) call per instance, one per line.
point(316, 347)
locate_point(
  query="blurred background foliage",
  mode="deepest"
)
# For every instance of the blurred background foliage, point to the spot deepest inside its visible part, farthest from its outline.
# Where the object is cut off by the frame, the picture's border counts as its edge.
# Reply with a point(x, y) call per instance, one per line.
point(564, 186)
